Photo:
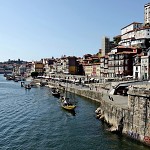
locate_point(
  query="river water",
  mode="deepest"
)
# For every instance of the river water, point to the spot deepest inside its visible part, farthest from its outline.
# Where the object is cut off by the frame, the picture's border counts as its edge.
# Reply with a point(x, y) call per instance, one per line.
point(34, 120)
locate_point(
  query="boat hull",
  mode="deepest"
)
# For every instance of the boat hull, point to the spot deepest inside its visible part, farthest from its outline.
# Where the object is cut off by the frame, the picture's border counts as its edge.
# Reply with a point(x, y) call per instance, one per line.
point(66, 104)
point(56, 94)
point(69, 107)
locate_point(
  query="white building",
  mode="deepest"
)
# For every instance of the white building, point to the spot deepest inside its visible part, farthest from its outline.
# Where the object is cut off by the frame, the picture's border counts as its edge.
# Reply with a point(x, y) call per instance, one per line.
point(127, 31)
point(46, 66)
point(145, 61)
point(88, 68)
point(22, 69)
point(147, 13)
point(134, 34)
point(137, 71)
point(137, 34)
point(65, 65)
point(137, 67)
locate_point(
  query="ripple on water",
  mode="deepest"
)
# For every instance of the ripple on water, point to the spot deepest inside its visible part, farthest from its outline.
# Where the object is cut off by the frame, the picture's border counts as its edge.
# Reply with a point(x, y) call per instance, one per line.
point(33, 119)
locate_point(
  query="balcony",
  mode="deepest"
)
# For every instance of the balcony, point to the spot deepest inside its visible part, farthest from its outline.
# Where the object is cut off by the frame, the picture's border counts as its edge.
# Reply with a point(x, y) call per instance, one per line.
point(111, 71)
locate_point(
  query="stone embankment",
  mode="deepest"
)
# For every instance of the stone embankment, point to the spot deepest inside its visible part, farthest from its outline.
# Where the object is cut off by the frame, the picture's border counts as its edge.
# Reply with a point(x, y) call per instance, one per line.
point(112, 107)
point(129, 115)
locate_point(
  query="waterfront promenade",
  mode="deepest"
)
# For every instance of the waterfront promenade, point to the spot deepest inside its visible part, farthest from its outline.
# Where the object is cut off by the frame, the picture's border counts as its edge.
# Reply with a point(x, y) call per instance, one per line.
point(118, 100)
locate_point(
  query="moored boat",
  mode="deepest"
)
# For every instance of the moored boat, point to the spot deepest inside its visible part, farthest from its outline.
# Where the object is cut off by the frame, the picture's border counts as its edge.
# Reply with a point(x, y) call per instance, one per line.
point(27, 86)
point(55, 92)
point(67, 104)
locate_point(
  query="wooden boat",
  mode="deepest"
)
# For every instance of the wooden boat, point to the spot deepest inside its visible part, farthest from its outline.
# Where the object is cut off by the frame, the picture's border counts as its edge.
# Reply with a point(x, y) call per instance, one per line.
point(15, 80)
point(34, 84)
point(27, 86)
point(66, 104)
point(55, 92)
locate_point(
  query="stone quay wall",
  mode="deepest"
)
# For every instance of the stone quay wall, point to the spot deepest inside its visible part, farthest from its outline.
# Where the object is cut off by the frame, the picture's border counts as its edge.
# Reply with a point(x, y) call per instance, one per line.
point(139, 104)
point(115, 116)
point(132, 120)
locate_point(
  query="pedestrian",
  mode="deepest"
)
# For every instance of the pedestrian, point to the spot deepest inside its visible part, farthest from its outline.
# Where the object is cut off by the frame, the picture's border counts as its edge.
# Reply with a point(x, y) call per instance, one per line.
point(102, 94)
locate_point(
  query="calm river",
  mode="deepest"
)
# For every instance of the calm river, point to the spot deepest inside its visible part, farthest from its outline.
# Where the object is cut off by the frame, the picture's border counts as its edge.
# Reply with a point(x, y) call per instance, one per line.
point(33, 120)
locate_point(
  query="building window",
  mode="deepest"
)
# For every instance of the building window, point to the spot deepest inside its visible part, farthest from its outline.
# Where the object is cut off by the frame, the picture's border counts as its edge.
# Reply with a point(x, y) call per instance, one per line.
point(136, 68)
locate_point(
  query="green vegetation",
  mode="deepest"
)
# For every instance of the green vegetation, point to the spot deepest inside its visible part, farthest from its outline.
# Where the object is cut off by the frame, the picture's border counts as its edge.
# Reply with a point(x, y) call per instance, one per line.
point(117, 39)
point(34, 74)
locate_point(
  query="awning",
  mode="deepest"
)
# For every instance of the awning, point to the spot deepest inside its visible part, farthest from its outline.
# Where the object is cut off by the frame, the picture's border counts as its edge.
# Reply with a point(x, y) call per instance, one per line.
point(92, 79)
point(77, 81)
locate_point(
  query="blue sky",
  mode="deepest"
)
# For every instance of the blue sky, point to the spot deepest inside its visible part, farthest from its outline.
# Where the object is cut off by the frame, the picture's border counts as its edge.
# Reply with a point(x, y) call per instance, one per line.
point(35, 29)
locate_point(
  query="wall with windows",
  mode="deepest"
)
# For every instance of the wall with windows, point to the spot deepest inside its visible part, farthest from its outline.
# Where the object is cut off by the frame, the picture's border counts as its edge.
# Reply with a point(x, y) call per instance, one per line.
point(88, 69)
point(137, 72)
point(130, 27)
point(146, 13)
point(145, 74)
point(143, 33)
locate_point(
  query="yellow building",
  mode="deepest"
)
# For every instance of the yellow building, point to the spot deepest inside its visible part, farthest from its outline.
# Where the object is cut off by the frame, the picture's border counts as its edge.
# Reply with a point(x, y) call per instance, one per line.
point(72, 69)
point(39, 67)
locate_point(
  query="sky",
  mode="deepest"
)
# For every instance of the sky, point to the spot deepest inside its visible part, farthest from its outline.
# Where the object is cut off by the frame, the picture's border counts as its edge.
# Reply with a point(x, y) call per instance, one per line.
point(35, 29)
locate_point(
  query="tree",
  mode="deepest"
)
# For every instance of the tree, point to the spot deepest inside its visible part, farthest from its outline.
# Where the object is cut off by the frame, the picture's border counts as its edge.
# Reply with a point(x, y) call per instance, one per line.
point(34, 74)
point(117, 39)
